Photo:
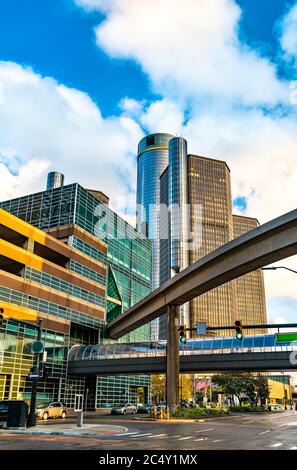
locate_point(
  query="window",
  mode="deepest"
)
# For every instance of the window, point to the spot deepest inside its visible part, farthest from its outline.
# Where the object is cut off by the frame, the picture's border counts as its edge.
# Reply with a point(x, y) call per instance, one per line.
point(150, 140)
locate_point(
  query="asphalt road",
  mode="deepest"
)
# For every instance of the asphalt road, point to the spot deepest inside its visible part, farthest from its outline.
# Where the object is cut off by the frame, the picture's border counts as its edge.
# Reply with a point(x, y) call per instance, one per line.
point(275, 431)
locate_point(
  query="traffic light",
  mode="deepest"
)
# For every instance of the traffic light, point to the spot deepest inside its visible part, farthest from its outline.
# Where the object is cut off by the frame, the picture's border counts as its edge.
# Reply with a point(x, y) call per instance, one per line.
point(183, 334)
point(238, 329)
point(1, 316)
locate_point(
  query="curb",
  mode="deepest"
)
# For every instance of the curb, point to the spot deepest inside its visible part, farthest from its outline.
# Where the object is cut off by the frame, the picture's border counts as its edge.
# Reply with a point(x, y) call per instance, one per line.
point(80, 433)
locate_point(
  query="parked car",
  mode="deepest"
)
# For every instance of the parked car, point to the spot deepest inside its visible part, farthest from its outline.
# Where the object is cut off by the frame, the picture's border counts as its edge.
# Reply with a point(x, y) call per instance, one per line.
point(3, 411)
point(162, 405)
point(123, 409)
point(51, 410)
point(146, 408)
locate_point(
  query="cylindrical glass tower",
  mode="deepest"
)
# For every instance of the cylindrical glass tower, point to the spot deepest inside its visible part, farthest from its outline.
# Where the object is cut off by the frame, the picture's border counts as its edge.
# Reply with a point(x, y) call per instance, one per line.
point(178, 204)
point(55, 179)
point(152, 161)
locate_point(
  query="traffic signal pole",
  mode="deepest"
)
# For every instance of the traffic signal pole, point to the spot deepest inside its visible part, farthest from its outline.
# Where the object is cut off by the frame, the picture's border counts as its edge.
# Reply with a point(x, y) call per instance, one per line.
point(31, 421)
point(172, 359)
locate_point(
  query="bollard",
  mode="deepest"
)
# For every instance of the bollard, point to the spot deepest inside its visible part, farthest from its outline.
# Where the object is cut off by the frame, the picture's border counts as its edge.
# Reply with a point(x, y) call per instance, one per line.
point(80, 419)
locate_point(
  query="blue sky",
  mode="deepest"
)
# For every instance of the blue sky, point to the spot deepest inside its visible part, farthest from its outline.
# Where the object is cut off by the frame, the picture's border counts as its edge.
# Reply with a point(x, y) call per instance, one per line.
point(57, 39)
point(81, 81)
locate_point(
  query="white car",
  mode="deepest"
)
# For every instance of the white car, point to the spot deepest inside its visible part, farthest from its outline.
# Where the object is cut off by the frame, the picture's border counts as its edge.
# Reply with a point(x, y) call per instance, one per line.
point(123, 409)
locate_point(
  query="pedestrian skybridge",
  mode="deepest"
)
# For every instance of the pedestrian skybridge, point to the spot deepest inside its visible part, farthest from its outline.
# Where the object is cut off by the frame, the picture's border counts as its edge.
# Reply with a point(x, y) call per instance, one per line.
point(253, 353)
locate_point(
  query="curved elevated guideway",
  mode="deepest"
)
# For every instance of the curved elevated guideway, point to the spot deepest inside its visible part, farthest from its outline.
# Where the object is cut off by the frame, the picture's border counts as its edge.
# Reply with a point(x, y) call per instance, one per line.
point(263, 245)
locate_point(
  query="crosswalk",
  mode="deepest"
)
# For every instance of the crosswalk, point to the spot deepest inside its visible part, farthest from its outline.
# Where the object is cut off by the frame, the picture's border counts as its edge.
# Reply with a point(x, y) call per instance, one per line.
point(201, 436)
point(178, 437)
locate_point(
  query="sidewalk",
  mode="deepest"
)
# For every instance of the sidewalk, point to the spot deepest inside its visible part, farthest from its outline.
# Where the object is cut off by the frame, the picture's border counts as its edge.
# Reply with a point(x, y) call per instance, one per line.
point(95, 430)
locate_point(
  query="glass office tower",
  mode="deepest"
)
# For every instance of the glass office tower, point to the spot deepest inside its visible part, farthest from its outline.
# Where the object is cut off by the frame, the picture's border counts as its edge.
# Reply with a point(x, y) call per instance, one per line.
point(106, 252)
point(151, 162)
point(205, 184)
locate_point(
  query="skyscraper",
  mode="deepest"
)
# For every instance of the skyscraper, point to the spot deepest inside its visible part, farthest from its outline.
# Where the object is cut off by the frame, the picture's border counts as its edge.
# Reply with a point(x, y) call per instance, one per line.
point(151, 162)
point(250, 287)
point(210, 187)
point(196, 193)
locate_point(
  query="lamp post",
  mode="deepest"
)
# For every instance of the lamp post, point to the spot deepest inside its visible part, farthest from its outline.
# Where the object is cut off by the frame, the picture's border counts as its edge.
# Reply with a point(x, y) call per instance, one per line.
point(31, 420)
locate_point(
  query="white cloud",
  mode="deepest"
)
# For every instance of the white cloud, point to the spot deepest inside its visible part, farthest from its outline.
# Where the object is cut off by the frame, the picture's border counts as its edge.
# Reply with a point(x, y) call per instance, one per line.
point(189, 49)
point(90, 4)
point(288, 27)
point(163, 115)
point(46, 125)
point(131, 107)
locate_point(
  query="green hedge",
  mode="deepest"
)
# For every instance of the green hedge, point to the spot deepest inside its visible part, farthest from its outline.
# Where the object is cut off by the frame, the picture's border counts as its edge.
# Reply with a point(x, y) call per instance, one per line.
point(248, 409)
point(199, 412)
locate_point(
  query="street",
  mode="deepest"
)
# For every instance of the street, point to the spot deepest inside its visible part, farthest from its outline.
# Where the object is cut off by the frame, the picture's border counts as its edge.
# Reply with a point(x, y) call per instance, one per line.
point(275, 431)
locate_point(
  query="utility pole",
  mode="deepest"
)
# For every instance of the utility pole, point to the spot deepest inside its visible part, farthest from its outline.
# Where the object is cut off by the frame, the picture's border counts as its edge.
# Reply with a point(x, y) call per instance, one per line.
point(31, 421)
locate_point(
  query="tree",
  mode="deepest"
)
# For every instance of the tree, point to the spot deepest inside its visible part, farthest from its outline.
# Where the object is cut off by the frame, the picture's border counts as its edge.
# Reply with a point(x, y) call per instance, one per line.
point(254, 387)
point(159, 388)
point(186, 387)
point(262, 388)
point(231, 385)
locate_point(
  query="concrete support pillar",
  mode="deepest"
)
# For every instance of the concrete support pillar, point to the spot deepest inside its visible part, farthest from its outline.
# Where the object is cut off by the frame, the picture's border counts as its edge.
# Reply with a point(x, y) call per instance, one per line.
point(172, 359)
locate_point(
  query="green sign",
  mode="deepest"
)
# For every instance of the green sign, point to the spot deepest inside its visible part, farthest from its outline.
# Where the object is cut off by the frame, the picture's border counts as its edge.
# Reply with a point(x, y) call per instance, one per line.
point(286, 337)
point(37, 347)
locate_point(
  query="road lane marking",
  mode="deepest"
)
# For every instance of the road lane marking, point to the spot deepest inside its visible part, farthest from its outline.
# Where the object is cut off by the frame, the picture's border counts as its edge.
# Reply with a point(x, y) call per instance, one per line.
point(217, 440)
point(204, 430)
point(264, 432)
point(184, 438)
point(178, 435)
point(293, 448)
point(158, 435)
point(278, 444)
point(249, 422)
point(127, 433)
point(201, 439)
point(281, 426)
point(142, 435)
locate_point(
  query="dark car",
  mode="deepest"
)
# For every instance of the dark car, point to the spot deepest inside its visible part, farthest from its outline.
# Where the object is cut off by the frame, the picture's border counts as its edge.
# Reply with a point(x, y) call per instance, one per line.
point(3, 412)
point(146, 408)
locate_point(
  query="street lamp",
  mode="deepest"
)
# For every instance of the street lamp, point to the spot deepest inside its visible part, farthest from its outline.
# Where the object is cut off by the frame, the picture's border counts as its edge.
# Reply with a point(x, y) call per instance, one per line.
point(273, 268)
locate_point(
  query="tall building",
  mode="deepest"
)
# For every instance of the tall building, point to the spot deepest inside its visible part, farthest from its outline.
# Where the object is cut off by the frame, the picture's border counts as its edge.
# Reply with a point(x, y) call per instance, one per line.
point(151, 162)
point(204, 184)
point(210, 188)
point(250, 287)
point(67, 258)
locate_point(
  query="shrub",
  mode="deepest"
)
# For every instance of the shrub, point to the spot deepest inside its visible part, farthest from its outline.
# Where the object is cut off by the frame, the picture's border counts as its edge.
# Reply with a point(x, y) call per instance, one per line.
point(199, 412)
point(248, 409)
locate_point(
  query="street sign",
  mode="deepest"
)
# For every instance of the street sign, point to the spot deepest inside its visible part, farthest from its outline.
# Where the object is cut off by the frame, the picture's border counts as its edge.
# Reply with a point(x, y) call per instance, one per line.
point(201, 328)
point(286, 337)
point(33, 376)
point(37, 347)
